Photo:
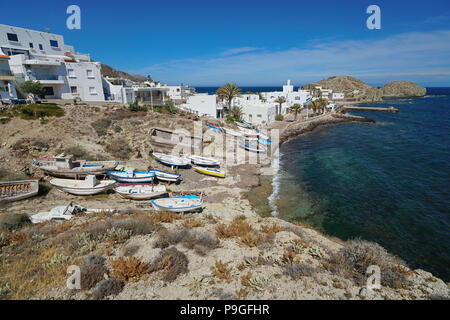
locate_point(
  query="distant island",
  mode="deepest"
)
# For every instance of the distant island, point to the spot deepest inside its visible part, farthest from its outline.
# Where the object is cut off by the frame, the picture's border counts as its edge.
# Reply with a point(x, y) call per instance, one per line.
point(358, 91)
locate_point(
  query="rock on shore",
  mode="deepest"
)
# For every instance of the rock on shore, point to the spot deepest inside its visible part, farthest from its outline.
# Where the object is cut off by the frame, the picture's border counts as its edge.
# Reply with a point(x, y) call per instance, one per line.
point(404, 89)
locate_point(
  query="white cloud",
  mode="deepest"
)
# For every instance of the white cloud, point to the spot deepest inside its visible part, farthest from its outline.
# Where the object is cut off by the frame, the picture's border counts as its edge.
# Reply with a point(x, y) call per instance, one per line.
point(421, 57)
point(240, 50)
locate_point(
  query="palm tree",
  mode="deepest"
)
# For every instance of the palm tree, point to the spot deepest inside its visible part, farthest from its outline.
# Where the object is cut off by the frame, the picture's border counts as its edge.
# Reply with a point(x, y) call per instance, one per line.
point(237, 113)
point(295, 108)
point(323, 103)
point(280, 100)
point(228, 92)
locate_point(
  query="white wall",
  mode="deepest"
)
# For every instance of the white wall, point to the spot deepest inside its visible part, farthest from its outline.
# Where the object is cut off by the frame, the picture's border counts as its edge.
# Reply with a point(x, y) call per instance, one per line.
point(259, 113)
point(80, 79)
point(202, 104)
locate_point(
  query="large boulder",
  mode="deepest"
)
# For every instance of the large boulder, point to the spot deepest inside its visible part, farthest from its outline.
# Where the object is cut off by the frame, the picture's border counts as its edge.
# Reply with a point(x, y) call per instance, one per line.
point(404, 89)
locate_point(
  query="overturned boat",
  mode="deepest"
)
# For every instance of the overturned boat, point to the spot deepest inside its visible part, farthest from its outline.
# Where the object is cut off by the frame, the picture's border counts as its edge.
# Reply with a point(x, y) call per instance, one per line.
point(89, 186)
point(18, 190)
point(178, 204)
point(140, 191)
point(64, 167)
point(204, 161)
point(170, 160)
point(132, 177)
point(60, 213)
point(210, 172)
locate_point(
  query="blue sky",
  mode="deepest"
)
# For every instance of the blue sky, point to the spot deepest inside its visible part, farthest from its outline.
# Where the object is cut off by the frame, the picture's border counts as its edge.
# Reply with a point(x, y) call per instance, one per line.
point(254, 42)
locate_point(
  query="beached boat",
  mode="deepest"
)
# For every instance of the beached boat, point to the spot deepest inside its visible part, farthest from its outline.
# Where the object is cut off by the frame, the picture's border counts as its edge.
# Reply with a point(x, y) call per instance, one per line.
point(64, 167)
point(60, 213)
point(89, 186)
point(213, 126)
point(170, 160)
point(140, 191)
point(166, 176)
point(244, 124)
point(210, 172)
point(178, 204)
point(203, 161)
point(167, 140)
point(18, 190)
point(132, 177)
point(252, 148)
point(232, 133)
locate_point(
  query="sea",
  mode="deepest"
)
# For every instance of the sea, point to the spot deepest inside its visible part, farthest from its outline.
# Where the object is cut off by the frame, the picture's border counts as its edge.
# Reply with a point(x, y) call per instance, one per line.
point(387, 182)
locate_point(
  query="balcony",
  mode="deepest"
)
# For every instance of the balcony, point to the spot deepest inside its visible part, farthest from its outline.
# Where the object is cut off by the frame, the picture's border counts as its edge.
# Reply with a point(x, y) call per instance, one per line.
point(42, 62)
point(47, 79)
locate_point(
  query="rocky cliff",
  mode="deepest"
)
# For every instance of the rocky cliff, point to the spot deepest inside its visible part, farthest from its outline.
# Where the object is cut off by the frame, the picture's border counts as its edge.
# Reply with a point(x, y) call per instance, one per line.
point(403, 89)
point(108, 71)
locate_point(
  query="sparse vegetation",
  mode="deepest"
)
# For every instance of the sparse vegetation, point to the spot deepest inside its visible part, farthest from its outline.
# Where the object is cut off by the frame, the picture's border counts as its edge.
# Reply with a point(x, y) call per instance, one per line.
point(222, 271)
point(128, 269)
point(101, 126)
point(135, 107)
point(107, 287)
point(119, 148)
point(171, 263)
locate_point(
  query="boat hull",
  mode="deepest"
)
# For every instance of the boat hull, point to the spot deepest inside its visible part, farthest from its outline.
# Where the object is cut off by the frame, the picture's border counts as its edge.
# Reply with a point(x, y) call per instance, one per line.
point(138, 177)
point(82, 191)
point(18, 190)
point(178, 204)
point(167, 176)
point(213, 173)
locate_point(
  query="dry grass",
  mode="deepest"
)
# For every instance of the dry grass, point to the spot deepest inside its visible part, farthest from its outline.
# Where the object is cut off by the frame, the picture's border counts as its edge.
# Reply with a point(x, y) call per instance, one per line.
point(128, 269)
point(237, 228)
point(222, 271)
point(271, 229)
point(171, 263)
point(192, 223)
point(245, 279)
point(165, 217)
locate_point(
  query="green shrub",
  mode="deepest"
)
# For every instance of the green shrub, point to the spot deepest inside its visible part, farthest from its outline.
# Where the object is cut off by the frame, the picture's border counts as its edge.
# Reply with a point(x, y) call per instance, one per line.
point(119, 148)
point(38, 111)
point(279, 117)
point(135, 107)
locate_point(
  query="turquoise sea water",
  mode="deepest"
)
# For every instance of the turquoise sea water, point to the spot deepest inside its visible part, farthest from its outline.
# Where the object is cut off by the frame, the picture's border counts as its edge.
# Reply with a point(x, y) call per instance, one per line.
point(387, 182)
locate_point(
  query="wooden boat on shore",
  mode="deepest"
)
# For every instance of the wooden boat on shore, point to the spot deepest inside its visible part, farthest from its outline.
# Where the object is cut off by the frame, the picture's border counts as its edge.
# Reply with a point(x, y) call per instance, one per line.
point(166, 176)
point(231, 133)
point(210, 172)
point(170, 160)
point(64, 167)
point(18, 190)
point(244, 124)
point(204, 161)
point(89, 186)
point(132, 177)
point(178, 204)
point(213, 126)
point(252, 148)
point(140, 191)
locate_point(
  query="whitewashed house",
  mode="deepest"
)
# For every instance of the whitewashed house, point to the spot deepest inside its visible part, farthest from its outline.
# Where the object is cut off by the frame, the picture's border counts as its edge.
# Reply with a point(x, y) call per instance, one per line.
point(301, 97)
point(203, 104)
point(118, 90)
point(7, 87)
point(44, 57)
point(338, 96)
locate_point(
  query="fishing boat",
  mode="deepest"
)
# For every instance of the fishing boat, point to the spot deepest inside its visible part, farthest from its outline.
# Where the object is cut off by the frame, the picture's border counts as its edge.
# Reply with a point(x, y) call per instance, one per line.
point(213, 126)
point(166, 176)
point(140, 191)
point(171, 161)
point(210, 172)
point(232, 133)
point(244, 124)
point(89, 186)
point(178, 204)
point(132, 177)
point(203, 161)
point(64, 167)
point(252, 148)
point(18, 190)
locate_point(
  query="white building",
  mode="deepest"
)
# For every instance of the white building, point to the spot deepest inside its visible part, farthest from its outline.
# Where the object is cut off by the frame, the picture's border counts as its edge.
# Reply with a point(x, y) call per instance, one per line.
point(44, 57)
point(7, 87)
point(179, 94)
point(338, 96)
point(118, 90)
point(262, 113)
point(301, 97)
point(202, 104)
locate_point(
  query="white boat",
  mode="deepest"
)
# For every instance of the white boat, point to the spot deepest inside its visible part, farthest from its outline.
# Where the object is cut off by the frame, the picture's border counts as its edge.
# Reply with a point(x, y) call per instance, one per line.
point(249, 147)
point(64, 167)
point(140, 192)
point(61, 213)
point(18, 190)
point(178, 204)
point(170, 160)
point(89, 186)
point(203, 161)
point(132, 177)
point(166, 176)
point(232, 133)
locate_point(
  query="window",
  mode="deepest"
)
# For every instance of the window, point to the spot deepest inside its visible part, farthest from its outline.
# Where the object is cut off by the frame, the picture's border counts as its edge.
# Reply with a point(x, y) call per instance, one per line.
point(12, 37)
point(73, 90)
point(70, 73)
point(92, 90)
point(41, 47)
point(89, 73)
point(31, 45)
point(54, 43)
point(259, 115)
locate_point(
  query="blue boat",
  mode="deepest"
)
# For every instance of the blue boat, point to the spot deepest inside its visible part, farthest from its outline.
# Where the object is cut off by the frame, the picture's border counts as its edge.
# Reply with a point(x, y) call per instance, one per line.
point(166, 176)
point(132, 177)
